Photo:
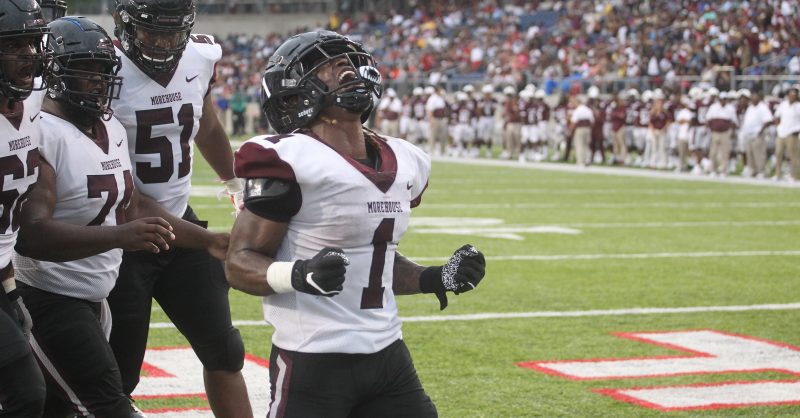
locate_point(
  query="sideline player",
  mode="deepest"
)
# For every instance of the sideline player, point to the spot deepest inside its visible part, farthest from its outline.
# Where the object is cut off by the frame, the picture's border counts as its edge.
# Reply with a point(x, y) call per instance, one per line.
point(327, 202)
point(165, 108)
point(22, 58)
point(74, 225)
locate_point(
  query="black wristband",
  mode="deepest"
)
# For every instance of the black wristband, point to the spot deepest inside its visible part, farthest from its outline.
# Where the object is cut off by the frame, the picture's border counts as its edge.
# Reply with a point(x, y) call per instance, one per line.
point(430, 281)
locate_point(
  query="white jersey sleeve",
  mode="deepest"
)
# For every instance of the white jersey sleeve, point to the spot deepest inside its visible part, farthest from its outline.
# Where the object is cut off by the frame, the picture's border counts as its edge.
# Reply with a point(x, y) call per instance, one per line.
point(93, 188)
point(344, 204)
point(19, 162)
point(162, 116)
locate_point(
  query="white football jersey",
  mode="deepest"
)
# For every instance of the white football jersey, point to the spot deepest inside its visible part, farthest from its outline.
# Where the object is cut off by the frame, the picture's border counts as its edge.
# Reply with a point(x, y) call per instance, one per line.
point(19, 167)
point(348, 205)
point(93, 188)
point(162, 118)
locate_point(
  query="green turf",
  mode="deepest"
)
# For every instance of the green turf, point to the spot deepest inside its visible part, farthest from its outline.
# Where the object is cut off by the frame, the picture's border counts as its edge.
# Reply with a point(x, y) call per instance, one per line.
point(469, 367)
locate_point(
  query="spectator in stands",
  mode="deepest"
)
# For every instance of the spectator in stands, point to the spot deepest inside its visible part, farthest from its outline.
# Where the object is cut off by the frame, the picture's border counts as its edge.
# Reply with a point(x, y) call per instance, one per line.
point(238, 104)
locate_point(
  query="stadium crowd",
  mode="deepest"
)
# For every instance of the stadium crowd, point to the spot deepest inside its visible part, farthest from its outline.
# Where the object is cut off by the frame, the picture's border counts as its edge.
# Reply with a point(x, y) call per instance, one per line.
point(511, 42)
point(654, 56)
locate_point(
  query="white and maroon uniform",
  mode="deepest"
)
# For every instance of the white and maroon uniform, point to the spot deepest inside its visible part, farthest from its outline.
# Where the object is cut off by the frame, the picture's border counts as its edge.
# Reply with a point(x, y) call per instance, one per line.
point(463, 115)
point(642, 126)
point(161, 114)
point(486, 110)
point(348, 205)
point(93, 188)
point(162, 118)
point(543, 118)
point(19, 162)
point(530, 123)
point(702, 136)
point(418, 128)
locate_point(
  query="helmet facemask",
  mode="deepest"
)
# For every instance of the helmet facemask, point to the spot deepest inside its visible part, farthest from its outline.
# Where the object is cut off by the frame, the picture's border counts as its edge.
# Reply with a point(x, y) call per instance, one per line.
point(357, 81)
point(155, 41)
point(87, 84)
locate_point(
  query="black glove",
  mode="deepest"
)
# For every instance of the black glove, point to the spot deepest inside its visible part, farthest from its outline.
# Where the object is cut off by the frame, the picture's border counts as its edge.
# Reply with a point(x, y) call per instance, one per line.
point(20, 312)
point(462, 273)
point(322, 275)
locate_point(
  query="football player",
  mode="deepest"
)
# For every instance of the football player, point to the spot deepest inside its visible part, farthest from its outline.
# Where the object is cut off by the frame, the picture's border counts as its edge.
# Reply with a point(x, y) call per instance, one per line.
point(22, 58)
point(165, 108)
point(326, 203)
point(74, 225)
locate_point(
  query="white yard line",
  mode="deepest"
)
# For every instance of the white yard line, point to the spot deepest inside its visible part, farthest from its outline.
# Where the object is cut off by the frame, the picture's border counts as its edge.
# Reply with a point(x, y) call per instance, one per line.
point(594, 205)
point(519, 229)
point(619, 171)
point(611, 205)
point(632, 256)
point(560, 314)
point(655, 191)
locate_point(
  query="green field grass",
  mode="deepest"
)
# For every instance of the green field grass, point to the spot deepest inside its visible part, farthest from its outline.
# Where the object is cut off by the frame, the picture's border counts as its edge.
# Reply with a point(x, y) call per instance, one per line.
point(470, 367)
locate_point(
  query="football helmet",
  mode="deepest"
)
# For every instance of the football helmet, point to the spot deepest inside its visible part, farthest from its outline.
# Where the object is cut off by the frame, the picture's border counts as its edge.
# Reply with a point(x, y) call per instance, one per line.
point(154, 33)
point(23, 54)
point(293, 95)
point(78, 42)
point(53, 9)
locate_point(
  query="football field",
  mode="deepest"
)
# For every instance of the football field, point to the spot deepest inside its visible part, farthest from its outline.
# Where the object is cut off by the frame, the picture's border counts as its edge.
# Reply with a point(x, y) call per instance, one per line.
point(605, 296)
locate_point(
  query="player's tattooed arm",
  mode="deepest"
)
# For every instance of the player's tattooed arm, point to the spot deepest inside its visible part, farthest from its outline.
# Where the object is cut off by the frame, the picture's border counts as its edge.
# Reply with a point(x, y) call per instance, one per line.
point(213, 142)
point(406, 276)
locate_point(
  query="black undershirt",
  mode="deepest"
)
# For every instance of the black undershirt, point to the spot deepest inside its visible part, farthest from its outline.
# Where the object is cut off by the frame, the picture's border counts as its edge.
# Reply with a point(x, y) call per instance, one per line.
point(372, 160)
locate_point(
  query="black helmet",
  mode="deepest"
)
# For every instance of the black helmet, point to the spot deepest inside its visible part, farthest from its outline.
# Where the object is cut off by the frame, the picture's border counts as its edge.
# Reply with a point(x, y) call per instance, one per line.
point(53, 9)
point(292, 95)
point(169, 19)
point(76, 41)
point(21, 19)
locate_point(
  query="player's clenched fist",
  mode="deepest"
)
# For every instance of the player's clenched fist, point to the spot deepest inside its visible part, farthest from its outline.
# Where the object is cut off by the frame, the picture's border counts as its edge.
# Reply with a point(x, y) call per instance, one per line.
point(148, 234)
point(322, 275)
point(462, 273)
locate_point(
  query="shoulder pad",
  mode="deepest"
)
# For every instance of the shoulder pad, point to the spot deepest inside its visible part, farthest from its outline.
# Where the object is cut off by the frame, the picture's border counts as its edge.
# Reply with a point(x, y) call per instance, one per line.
point(269, 189)
point(206, 46)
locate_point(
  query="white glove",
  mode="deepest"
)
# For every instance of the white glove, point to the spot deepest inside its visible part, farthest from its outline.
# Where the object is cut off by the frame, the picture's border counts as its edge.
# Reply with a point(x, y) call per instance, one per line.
point(234, 188)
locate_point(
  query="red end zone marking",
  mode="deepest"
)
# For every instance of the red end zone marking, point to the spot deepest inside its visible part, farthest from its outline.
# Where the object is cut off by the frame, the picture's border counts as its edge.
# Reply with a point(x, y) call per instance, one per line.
point(691, 402)
point(176, 373)
point(710, 352)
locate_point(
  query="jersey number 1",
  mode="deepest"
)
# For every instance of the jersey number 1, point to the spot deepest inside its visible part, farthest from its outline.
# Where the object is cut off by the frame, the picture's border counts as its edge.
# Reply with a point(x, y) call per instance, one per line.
point(372, 295)
point(161, 145)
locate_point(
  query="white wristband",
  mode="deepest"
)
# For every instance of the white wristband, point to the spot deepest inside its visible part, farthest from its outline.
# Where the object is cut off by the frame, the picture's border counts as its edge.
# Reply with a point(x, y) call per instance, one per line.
point(279, 276)
point(9, 284)
point(234, 185)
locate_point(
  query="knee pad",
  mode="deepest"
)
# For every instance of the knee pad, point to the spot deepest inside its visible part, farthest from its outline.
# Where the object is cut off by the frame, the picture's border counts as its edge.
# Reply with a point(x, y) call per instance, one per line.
point(223, 353)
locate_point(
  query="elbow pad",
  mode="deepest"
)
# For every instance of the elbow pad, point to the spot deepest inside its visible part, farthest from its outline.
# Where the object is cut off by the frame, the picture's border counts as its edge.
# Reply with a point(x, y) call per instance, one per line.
point(269, 197)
